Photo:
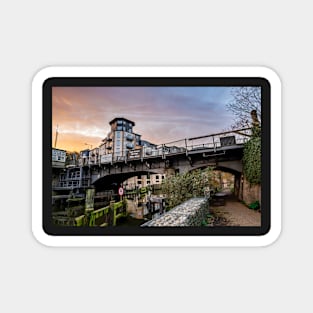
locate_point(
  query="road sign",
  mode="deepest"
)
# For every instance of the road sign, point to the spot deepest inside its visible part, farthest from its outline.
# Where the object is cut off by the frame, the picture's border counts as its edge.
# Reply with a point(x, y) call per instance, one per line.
point(120, 191)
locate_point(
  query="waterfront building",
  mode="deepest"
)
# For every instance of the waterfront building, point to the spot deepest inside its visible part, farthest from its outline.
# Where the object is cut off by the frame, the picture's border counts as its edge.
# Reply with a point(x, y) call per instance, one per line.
point(58, 164)
point(144, 181)
point(58, 158)
point(121, 138)
point(145, 143)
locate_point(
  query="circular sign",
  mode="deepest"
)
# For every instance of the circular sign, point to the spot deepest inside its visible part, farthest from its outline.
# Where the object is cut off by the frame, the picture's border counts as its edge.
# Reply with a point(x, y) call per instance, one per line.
point(120, 191)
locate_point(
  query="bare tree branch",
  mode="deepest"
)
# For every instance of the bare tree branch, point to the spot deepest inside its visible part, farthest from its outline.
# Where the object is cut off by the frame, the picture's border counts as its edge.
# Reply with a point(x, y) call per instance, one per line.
point(245, 100)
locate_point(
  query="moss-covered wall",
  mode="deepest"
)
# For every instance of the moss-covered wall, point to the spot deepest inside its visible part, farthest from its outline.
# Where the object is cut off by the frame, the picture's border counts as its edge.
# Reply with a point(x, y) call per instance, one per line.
point(248, 192)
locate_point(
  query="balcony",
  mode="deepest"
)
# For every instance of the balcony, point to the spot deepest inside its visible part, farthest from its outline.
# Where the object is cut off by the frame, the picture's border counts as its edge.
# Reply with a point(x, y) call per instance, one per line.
point(129, 137)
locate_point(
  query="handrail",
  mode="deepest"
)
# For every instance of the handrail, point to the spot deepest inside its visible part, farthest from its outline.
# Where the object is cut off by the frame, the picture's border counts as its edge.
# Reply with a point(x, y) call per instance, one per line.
point(169, 148)
point(222, 133)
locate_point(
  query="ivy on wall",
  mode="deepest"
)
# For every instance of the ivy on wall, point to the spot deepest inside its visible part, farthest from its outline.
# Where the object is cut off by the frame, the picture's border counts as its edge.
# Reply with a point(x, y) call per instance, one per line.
point(252, 158)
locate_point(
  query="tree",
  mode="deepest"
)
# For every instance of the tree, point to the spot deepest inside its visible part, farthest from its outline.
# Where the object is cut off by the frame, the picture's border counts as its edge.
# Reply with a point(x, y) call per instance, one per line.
point(244, 101)
point(181, 187)
point(252, 152)
point(246, 106)
point(252, 160)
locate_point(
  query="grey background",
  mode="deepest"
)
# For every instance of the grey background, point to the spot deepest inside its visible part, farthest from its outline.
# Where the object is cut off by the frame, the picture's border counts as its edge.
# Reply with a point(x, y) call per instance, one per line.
point(35, 34)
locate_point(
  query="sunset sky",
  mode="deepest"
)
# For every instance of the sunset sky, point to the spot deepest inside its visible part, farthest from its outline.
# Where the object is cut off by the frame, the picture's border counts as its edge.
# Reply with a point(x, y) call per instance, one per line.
point(161, 114)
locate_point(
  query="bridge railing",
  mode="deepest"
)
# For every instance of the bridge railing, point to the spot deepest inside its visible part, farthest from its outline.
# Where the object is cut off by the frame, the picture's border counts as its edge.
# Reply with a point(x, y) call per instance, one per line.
point(211, 141)
point(214, 141)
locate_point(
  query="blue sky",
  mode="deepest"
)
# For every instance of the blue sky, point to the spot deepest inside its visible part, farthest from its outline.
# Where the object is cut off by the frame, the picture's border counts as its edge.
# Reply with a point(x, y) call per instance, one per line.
point(161, 114)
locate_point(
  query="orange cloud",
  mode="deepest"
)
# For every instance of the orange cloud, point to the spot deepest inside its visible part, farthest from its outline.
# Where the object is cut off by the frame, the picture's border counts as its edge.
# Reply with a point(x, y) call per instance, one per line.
point(161, 114)
point(75, 142)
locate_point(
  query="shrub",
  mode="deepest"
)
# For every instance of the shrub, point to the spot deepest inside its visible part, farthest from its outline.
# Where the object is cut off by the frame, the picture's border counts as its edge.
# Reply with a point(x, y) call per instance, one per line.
point(181, 187)
point(252, 160)
point(254, 205)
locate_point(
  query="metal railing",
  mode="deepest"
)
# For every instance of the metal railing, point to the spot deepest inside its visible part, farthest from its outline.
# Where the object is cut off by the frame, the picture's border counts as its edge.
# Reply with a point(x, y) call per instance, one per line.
point(186, 145)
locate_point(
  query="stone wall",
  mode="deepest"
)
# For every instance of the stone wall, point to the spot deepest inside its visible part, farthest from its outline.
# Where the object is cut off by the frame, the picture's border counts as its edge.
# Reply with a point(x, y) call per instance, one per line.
point(190, 213)
point(250, 193)
point(133, 209)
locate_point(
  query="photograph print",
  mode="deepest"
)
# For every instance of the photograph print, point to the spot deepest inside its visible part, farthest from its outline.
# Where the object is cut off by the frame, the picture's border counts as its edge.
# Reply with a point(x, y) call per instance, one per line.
point(156, 157)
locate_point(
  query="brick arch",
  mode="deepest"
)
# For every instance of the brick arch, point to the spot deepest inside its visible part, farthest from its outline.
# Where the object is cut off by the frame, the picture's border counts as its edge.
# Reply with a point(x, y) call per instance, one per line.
point(237, 175)
point(215, 167)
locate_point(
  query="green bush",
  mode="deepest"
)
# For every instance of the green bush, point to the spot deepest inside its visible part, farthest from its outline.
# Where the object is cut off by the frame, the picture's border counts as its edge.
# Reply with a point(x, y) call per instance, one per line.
point(254, 205)
point(181, 187)
point(252, 160)
point(204, 223)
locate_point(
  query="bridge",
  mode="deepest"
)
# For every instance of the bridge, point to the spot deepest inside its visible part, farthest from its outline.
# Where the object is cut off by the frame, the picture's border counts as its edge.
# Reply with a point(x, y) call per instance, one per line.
point(222, 151)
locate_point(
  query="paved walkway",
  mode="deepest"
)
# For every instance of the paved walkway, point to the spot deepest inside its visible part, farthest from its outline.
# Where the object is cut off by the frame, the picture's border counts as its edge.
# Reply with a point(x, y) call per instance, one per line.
point(234, 213)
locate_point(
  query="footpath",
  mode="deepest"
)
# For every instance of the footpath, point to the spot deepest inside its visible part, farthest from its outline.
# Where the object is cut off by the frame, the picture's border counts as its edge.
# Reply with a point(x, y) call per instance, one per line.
point(234, 213)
